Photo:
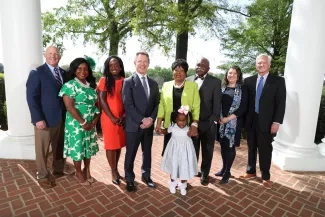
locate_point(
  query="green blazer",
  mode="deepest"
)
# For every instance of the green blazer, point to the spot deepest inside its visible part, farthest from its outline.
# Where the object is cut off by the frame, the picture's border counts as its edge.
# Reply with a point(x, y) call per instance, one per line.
point(190, 97)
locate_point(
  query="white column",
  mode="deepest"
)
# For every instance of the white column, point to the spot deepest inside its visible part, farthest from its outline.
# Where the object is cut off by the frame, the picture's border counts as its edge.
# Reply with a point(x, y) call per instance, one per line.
point(22, 51)
point(294, 147)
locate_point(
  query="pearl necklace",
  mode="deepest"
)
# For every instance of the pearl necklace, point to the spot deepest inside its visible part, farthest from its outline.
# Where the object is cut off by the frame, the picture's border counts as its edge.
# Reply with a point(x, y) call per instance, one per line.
point(82, 84)
point(179, 86)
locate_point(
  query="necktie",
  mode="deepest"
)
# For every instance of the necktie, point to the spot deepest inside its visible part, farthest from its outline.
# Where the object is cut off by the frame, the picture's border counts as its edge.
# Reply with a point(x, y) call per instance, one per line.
point(57, 77)
point(258, 94)
point(145, 86)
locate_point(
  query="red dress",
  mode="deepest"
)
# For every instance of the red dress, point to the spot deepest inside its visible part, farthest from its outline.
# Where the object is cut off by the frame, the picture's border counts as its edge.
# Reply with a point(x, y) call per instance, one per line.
point(113, 135)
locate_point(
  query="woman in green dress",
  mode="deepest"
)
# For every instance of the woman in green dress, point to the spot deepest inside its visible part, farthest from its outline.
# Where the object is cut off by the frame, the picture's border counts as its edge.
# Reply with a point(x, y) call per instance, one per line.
point(80, 139)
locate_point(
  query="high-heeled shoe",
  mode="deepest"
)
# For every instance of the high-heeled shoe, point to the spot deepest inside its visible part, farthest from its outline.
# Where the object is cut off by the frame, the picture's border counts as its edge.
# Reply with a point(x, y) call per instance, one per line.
point(116, 181)
point(87, 175)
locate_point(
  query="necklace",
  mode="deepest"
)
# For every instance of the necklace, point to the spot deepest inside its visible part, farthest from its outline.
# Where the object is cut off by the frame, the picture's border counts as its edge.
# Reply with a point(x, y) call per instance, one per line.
point(179, 86)
point(81, 83)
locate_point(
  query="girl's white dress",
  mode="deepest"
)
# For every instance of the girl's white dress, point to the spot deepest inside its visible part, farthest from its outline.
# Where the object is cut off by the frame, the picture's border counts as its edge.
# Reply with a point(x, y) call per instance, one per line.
point(179, 158)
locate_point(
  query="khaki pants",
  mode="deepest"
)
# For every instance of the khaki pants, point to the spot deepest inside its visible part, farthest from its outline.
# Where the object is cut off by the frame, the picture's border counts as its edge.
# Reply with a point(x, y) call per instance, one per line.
point(53, 136)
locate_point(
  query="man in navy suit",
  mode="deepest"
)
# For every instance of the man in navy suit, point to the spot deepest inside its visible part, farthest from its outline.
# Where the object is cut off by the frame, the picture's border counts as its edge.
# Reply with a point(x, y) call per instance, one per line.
point(47, 110)
point(267, 101)
point(141, 98)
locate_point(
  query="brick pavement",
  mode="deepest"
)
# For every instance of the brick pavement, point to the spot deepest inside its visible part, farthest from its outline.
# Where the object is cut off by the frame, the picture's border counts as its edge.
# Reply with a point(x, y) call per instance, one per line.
point(293, 193)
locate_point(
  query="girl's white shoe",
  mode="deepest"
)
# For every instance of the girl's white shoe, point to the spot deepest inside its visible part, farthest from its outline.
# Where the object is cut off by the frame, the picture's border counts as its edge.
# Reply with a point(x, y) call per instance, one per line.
point(172, 186)
point(182, 187)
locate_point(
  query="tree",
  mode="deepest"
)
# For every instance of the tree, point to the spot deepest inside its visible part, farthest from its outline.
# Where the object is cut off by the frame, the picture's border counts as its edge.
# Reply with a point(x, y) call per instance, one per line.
point(264, 30)
point(104, 23)
point(1, 68)
point(109, 23)
point(176, 21)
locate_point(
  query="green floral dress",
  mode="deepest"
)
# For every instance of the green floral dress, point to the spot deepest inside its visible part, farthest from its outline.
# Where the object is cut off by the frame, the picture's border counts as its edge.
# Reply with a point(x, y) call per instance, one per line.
point(78, 143)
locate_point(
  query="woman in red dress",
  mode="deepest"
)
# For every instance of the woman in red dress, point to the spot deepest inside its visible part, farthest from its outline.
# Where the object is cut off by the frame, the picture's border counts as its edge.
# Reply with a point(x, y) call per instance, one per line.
point(112, 117)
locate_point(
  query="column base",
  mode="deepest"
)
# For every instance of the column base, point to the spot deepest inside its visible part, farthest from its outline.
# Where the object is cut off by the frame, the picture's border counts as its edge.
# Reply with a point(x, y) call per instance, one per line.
point(12, 147)
point(294, 158)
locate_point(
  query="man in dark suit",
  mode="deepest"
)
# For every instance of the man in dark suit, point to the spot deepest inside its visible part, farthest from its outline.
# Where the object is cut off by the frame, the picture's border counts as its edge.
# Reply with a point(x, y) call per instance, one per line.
point(46, 108)
point(210, 95)
point(141, 98)
point(267, 97)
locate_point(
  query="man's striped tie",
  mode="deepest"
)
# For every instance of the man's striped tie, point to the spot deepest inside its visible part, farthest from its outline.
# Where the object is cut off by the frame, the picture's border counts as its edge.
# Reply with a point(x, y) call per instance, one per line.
point(57, 76)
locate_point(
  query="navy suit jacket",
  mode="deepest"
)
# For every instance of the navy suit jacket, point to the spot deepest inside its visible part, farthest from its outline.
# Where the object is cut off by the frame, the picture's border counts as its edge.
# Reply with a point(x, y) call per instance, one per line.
point(272, 102)
point(42, 96)
point(136, 105)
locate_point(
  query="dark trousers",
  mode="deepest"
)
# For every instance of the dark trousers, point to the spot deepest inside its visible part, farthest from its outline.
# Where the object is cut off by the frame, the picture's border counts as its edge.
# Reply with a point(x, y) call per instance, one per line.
point(133, 140)
point(58, 160)
point(261, 142)
point(206, 141)
point(228, 155)
point(166, 140)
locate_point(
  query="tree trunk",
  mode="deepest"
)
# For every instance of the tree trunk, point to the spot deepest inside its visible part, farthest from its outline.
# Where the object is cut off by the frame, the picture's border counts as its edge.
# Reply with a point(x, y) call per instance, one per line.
point(182, 36)
point(182, 45)
point(114, 40)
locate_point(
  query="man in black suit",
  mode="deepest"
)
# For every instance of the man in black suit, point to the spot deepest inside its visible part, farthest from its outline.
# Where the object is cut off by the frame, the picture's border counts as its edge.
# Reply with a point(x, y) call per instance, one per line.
point(267, 97)
point(141, 98)
point(210, 95)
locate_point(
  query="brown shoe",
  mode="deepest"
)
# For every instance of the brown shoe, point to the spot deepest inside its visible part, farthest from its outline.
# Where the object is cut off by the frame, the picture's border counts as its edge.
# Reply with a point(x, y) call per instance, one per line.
point(267, 184)
point(248, 176)
point(46, 183)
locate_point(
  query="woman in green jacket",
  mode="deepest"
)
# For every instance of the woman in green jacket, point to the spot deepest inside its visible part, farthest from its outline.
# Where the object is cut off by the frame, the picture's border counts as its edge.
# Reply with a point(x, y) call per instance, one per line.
point(176, 93)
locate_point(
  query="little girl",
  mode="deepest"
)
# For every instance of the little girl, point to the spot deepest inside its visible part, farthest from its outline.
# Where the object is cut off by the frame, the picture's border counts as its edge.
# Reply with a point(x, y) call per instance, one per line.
point(179, 158)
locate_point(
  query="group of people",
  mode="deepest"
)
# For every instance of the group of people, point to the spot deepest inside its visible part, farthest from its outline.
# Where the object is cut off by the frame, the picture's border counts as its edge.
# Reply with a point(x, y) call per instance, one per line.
point(191, 112)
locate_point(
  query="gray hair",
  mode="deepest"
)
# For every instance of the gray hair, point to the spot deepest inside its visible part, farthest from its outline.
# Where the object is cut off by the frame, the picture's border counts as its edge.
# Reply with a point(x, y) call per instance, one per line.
point(60, 51)
point(269, 58)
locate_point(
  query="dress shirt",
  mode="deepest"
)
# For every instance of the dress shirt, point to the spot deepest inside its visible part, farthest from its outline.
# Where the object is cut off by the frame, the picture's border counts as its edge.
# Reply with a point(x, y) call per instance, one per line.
point(199, 80)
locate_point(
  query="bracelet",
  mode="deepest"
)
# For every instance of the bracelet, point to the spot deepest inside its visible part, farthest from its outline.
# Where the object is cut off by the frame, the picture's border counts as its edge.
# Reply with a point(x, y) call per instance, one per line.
point(194, 125)
point(83, 123)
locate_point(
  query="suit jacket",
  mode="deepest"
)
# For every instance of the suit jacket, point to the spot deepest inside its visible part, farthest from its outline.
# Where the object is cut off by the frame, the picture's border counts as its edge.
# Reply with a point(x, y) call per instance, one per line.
point(190, 97)
point(136, 105)
point(42, 96)
point(210, 94)
point(272, 102)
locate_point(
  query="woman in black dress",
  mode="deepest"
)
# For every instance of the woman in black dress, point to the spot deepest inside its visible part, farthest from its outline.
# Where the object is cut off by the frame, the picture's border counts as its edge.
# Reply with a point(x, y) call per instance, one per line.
point(233, 107)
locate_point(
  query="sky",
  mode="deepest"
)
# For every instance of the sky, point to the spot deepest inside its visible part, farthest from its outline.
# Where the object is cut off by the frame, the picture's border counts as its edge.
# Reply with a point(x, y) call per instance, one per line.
point(196, 49)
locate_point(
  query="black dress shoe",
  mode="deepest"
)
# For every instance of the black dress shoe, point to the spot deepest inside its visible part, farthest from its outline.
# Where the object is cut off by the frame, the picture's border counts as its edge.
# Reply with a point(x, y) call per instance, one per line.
point(149, 182)
point(225, 178)
point(220, 173)
point(204, 180)
point(224, 181)
point(58, 174)
point(130, 186)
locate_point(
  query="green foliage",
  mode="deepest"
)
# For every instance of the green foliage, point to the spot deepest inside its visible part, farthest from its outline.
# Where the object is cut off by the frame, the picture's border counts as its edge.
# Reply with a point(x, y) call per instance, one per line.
point(265, 30)
point(3, 110)
point(103, 23)
point(175, 18)
point(107, 24)
point(320, 129)
point(97, 75)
